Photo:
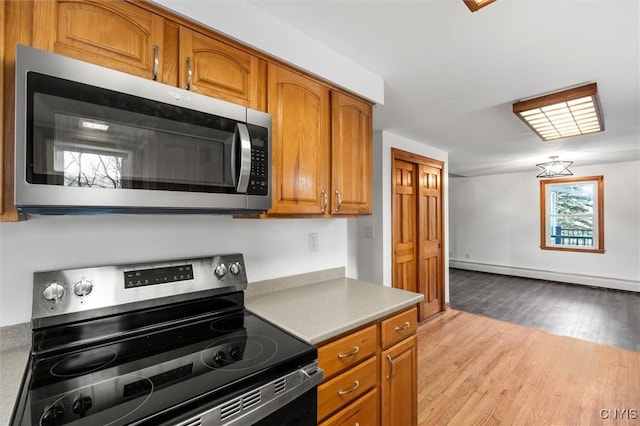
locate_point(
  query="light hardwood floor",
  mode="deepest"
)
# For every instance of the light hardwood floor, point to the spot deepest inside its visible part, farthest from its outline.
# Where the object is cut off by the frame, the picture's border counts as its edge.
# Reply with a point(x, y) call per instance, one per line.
point(475, 370)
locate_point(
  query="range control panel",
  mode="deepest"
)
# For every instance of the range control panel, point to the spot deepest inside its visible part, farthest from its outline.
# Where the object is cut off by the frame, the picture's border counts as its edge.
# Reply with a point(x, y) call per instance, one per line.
point(124, 287)
point(141, 277)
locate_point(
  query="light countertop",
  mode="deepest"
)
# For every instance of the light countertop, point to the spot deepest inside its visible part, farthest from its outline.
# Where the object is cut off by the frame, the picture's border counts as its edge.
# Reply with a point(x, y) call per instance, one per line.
point(15, 346)
point(323, 310)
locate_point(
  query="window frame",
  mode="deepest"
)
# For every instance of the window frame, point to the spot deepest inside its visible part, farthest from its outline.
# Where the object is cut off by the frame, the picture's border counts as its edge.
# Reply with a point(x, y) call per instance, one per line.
point(598, 246)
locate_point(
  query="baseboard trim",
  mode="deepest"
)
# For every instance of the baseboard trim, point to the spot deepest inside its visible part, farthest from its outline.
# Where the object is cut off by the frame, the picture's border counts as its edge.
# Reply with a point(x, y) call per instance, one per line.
point(588, 280)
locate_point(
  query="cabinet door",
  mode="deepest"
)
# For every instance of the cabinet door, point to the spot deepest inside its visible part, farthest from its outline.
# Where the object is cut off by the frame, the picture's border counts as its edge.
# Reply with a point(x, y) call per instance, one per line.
point(300, 140)
point(216, 69)
point(351, 155)
point(399, 384)
point(363, 412)
point(114, 34)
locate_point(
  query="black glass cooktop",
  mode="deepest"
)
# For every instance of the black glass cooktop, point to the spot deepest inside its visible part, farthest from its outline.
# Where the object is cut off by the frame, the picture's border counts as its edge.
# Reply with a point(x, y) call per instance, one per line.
point(132, 375)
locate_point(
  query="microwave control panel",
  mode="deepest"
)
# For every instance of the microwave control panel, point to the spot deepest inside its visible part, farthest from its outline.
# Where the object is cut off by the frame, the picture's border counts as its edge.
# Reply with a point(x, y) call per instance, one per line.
point(258, 182)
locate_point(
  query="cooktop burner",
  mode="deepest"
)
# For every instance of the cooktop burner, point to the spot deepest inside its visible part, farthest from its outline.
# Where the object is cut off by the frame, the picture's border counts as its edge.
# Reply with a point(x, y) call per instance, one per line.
point(82, 402)
point(236, 354)
point(83, 362)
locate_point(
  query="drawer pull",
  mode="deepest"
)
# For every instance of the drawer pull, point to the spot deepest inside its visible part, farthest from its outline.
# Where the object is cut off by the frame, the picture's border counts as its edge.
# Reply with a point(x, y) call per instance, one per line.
point(404, 327)
point(355, 386)
point(390, 366)
point(354, 352)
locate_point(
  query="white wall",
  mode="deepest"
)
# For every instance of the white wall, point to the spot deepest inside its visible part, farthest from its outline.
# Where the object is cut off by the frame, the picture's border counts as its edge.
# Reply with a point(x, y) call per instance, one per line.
point(249, 24)
point(272, 248)
point(494, 223)
point(370, 259)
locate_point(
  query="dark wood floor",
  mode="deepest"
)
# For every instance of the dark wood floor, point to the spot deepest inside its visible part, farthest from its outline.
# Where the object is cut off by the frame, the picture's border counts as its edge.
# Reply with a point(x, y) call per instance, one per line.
point(610, 317)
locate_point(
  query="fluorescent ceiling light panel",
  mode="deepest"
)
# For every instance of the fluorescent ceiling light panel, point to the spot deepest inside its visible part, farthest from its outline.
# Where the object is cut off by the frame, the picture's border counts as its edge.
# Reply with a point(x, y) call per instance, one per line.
point(571, 112)
point(474, 5)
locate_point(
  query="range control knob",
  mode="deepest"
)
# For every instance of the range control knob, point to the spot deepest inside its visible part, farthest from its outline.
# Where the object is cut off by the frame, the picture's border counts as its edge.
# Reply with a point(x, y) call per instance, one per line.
point(82, 404)
point(52, 416)
point(220, 270)
point(82, 287)
point(235, 268)
point(53, 292)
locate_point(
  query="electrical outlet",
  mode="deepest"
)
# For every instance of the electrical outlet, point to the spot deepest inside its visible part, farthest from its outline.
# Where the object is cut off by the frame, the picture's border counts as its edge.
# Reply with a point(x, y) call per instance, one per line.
point(313, 241)
point(368, 232)
point(466, 255)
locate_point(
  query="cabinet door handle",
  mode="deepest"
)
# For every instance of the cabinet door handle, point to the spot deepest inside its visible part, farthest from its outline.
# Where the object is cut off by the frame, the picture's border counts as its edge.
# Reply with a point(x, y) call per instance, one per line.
point(156, 61)
point(355, 350)
point(404, 327)
point(355, 386)
point(339, 201)
point(390, 366)
point(189, 74)
point(325, 201)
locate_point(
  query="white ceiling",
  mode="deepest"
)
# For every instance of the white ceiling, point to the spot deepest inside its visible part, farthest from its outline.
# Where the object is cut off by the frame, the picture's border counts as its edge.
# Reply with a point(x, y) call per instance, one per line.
point(451, 76)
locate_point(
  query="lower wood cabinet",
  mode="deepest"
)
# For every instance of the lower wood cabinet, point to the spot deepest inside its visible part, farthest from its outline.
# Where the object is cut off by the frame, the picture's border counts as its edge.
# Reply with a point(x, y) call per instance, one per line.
point(399, 379)
point(362, 412)
point(371, 374)
point(347, 387)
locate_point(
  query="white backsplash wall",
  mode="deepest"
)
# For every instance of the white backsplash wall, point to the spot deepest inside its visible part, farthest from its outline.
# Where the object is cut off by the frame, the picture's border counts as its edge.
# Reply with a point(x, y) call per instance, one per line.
point(272, 248)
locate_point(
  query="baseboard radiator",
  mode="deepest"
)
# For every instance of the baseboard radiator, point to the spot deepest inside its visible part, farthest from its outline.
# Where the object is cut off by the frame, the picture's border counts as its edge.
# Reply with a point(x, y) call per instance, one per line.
point(587, 280)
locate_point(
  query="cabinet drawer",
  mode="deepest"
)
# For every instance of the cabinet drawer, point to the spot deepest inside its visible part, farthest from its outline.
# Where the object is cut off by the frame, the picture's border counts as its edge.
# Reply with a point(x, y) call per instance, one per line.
point(347, 351)
point(398, 327)
point(363, 412)
point(347, 387)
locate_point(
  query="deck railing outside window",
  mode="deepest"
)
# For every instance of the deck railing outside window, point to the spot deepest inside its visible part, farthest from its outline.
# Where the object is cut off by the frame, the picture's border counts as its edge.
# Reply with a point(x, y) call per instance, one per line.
point(573, 236)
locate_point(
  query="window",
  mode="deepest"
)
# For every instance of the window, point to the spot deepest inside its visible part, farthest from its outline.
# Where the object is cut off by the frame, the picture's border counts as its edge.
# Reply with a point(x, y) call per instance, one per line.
point(571, 214)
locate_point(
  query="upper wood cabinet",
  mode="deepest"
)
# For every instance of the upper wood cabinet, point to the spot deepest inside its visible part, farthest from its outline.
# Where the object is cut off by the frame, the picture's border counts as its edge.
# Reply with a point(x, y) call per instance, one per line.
point(126, 37)
point(114, 34)
point(216, 69)
point(318, 171)
point(351, 155)
point(300, 143)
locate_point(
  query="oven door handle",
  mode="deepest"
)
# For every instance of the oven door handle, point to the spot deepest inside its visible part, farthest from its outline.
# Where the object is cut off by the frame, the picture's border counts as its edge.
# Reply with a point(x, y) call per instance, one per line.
point(241, 137)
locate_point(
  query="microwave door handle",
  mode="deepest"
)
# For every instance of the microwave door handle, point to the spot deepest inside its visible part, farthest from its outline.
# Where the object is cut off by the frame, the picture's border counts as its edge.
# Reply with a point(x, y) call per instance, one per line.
point(245, 158)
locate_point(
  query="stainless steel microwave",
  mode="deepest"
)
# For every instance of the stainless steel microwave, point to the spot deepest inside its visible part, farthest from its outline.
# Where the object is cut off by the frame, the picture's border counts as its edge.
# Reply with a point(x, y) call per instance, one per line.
point(90, 139)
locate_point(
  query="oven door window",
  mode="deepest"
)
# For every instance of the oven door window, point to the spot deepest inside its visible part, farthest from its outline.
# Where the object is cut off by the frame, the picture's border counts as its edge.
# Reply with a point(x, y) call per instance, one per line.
point(83, 136)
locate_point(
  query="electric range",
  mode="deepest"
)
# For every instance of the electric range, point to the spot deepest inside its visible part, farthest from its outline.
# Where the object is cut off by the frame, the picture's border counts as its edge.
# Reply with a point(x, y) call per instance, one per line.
point(161, 343)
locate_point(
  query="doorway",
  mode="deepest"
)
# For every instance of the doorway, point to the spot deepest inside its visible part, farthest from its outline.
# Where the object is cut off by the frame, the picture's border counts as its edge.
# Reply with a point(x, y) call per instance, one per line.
point(417, 229)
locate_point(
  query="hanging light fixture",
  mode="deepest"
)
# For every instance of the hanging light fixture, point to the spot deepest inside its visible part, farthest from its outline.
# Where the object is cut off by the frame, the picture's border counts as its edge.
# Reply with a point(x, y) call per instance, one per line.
point(474, 5)
point(571, 112)
point(554, 168)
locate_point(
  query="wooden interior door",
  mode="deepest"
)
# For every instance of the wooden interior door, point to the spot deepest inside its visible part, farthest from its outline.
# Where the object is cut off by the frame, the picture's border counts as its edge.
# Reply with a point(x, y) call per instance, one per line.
point(417, 227)
point(404, 225)
point(430, 241)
